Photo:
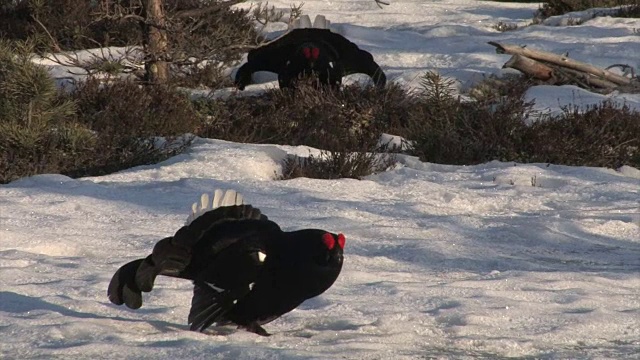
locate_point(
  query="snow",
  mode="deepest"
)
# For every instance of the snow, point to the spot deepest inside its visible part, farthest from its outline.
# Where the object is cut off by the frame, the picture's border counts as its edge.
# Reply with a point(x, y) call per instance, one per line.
point(489, 261)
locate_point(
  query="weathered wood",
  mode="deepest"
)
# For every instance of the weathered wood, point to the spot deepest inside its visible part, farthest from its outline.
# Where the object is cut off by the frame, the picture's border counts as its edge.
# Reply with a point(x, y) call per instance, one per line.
point(587, 79)
point(562, 61)
point(530, 67)
point(556, 75)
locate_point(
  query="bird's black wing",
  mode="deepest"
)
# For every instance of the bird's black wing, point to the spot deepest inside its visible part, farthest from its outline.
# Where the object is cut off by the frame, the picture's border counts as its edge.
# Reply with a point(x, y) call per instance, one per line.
point(274, 55)
point(172, 255)
point(123, 288)
point(355, 60)
point(269, 57)
point(224, 274)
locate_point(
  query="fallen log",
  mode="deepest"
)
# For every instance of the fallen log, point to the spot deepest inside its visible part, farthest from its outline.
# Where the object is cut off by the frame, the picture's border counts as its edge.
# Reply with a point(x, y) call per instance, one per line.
point(529, 66)
point(559, 76)
point(544, 66)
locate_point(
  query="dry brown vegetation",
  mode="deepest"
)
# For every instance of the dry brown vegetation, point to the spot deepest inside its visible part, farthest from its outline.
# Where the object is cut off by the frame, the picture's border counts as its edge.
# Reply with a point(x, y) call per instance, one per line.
point(626, 8)
point(101, 127)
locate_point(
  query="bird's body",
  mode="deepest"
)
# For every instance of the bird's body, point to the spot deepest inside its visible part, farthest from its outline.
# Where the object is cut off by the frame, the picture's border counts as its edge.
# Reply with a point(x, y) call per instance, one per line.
point(303, 52)
point(245, 269)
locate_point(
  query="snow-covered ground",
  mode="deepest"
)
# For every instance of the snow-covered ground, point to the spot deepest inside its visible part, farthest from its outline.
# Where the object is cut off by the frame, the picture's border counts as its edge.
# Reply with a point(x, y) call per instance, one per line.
point(488, 261)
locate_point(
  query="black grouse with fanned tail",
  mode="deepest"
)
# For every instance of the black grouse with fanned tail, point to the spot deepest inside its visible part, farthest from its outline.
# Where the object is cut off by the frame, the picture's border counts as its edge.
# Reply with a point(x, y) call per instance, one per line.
point(245, 269)
point(303, 52)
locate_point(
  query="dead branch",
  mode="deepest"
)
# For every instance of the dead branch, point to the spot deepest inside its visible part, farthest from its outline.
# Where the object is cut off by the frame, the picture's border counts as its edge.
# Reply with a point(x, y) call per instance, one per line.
point(560, 60)
point(560, 69)
point(205, 10)
point(529, 66)
point(584, 80)
point(134, 17)
point(54, 43)
point(380, 3)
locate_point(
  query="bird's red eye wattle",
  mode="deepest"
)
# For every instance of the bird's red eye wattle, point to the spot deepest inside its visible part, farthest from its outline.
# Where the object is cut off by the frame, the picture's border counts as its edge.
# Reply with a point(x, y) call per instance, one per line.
point(341, 241)
point(306, 52)
point(328, 241)
point(315, 53)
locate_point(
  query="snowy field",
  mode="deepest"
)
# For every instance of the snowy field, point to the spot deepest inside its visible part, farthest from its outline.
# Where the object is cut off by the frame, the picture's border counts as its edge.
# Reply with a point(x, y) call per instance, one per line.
point(499, 260)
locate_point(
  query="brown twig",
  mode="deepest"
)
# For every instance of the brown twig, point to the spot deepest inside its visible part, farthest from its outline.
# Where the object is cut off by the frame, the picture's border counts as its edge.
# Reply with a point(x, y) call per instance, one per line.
point(381, 2)
point(205, 10)
point(56, 47)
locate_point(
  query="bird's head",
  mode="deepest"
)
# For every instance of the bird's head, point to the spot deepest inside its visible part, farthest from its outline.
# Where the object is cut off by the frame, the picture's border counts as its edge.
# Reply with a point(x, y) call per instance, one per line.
point(316, 248)
point(311, 52)
point(332, 250)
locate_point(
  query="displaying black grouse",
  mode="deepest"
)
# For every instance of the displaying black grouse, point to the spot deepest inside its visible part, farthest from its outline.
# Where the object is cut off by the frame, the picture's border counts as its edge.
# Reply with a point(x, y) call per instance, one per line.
point(245, 269)
point(300, 52)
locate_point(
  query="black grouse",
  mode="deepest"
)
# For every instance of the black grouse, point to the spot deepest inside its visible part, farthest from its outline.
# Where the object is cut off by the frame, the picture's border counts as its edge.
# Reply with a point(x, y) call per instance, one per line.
point(245, 269)
point(301, 52)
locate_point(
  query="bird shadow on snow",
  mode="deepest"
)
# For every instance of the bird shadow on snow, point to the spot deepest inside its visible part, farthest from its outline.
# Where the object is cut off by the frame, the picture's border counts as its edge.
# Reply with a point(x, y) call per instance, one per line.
point(23, 305)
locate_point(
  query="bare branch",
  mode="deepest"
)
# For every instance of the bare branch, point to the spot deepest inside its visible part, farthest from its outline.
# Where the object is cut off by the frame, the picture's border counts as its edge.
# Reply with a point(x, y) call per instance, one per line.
point(206, 10)
point(381, 2)
point(559, 60)
point(559, 69)
point(135, 17)
point(54, 43)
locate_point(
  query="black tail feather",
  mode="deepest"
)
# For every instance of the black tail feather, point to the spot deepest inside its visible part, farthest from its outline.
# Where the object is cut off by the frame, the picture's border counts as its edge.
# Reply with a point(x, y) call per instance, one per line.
point(208, 306)
point(205, 307)
point(235, 212)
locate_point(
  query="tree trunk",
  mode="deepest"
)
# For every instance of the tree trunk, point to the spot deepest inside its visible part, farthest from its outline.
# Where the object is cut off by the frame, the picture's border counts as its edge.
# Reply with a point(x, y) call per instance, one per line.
point(155, 34)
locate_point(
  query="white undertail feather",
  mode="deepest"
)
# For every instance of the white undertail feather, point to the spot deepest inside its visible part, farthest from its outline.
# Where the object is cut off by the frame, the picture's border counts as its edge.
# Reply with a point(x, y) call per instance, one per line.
point(217, 198)
point(304, 22)
point(320, 22)
point(220, 199)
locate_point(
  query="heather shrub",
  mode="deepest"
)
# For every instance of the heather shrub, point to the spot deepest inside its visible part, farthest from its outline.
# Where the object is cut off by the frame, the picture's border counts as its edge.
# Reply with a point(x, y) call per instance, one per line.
point(202, 38)
point(67, 24)
point(126, 118)
point(497, 126)
point(35, 136)
point(104, 126)
point(605, 135)
point(97, 128)
point(336, 165)
point(627, 8)
point(341, 122)
point(327, 119)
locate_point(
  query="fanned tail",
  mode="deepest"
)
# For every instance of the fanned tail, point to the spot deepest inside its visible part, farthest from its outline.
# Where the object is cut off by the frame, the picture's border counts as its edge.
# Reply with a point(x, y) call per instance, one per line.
point(220, 199)
point(304, 22)
point(224, 206)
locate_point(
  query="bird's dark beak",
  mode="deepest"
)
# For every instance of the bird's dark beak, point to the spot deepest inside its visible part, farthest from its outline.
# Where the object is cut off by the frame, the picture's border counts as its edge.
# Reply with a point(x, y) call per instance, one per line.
point(337, 257)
